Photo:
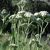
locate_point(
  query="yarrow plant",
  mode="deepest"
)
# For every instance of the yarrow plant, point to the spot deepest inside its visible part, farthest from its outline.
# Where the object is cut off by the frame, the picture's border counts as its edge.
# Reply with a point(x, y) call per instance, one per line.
point(42, 13)
point(22, 30)
point(40, 26)
point(21, 20)
point(40, 17)
point(22, 24)
point(28, 14)
point(20, 14)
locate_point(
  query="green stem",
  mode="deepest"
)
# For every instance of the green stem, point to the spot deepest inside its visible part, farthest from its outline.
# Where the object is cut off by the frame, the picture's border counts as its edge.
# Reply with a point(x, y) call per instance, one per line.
point(19, 8)
point(30, 46)
point(44, 29)
point(37, 48)
point(38, 29)
point(22, 7)
point(13, 31)
point(18, 30)
point(27, 29)
point(41, 30)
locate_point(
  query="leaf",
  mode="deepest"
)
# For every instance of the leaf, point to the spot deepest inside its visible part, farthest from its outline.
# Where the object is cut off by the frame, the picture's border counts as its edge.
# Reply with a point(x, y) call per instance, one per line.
point(47, 20)
point(33, 19)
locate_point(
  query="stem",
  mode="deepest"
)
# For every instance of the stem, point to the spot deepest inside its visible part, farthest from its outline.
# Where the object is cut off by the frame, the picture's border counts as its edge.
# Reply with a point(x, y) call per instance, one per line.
point(27, 28)
point(14, 43)
point(30, 46)
point(18, 29)
point(37, 48)
point(41, 31)
point(13, 31)
point(38, 29)
point(19, 8)
point(44, 28)
point(22, 7)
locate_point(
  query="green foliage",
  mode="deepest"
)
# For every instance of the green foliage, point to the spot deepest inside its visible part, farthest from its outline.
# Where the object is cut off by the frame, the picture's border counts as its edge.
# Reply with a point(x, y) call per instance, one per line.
point(22, 24)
